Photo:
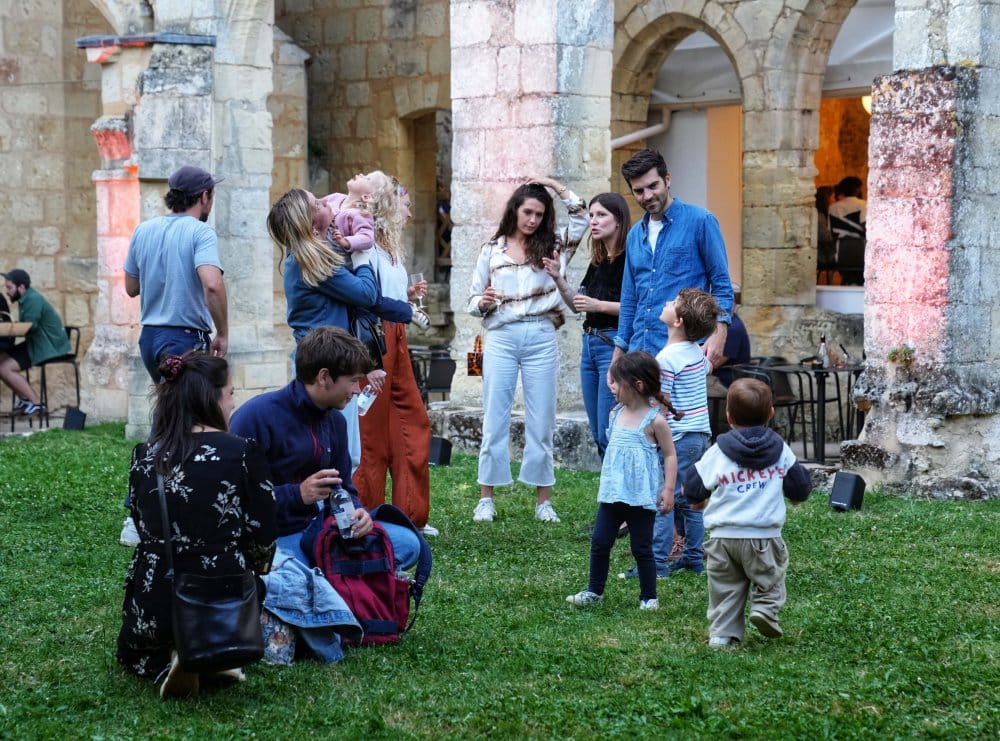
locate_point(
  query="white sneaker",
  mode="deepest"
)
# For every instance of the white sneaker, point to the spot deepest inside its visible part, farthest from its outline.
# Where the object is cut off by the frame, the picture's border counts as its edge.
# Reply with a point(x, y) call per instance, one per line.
point(485, 511)
point(178, 683)
point(130, 536)
point(429, 531)
point(586, 598)
point(649, 604)
point(545, 513)
point(722, 642)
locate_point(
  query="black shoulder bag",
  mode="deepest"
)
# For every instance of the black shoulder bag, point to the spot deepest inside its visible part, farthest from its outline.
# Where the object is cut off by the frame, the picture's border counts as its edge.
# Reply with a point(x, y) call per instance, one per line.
point(368, 328)
point(216, 619)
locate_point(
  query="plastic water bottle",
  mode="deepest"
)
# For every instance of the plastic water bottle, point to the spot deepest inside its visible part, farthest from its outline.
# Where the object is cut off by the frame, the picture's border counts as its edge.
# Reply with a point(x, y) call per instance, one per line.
point(365, 399)
point(342, 508)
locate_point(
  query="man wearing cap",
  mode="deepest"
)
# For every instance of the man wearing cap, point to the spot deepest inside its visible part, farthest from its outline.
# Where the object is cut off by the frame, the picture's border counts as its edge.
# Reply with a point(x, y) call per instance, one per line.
point(46, 339)
point(173, 266)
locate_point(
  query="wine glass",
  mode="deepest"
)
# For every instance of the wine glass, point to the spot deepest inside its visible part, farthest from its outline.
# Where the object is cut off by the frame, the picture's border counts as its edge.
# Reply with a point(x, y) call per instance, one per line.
point(415, 280)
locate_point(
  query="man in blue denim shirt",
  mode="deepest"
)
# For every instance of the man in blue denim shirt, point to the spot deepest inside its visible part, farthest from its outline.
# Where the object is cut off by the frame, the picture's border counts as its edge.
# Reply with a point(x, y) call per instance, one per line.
point(674, 246)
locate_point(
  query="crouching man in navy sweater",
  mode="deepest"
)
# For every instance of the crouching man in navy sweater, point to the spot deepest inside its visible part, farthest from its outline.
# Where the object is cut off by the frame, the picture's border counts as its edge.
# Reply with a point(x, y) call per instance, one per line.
point(303, 436)
point(744, 478)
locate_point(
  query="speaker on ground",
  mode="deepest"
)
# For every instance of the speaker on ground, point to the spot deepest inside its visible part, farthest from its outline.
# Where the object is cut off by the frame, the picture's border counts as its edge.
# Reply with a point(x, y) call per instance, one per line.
point(848, 491)
point(440, 451)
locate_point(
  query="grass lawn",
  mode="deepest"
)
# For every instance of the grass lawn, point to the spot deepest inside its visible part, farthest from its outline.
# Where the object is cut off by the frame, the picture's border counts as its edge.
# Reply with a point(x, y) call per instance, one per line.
point(892, 627)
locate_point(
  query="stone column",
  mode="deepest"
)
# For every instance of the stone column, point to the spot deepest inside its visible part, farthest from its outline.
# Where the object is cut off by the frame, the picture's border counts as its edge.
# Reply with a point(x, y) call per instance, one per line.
point(531, 86)
point(199, 98)
point(931, 263)
point(105, 367)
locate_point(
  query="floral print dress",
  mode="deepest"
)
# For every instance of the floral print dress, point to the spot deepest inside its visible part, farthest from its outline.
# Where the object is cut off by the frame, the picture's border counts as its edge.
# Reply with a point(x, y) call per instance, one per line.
point(222, 519)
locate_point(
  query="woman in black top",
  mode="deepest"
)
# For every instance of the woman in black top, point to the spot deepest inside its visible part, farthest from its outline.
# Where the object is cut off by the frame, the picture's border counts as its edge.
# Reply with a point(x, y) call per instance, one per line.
point(598, 296)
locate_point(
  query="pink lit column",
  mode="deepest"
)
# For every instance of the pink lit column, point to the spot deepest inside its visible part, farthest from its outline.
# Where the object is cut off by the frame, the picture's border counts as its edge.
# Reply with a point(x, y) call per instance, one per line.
point(930, 288)
point(105, 366)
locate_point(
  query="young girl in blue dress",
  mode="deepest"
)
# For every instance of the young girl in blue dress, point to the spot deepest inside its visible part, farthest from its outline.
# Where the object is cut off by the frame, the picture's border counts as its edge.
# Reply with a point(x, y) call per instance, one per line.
point(637, 476)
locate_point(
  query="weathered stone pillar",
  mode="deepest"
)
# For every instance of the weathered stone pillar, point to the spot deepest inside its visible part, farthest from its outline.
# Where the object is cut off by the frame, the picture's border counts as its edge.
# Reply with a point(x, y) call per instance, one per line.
point(932, 263)
point(200, 97)
point(531, 86)
point(105, 367)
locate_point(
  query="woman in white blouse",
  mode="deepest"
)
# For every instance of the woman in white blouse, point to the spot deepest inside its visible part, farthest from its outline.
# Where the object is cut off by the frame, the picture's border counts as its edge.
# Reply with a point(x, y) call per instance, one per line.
point(522, 309)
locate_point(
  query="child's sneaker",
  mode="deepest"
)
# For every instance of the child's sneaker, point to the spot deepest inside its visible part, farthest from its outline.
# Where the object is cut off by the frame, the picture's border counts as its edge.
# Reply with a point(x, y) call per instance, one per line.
point(722, 642)
point(633, 573)
point(767, 625)
point(586, 598)
point(545, 513)
point(649, 604)
point(697, 567)
point(485, 511)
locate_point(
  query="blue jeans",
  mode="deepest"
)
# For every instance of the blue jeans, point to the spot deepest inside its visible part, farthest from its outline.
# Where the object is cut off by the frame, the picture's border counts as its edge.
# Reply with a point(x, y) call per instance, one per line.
point(405, 546)
point(597, 397)
point(155, 342)
point(690, 446)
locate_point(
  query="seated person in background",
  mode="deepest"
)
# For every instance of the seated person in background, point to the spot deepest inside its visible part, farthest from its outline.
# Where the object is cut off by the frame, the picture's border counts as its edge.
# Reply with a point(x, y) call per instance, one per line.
point(735, 352)
point(303, 438)
point(45, 340)
point(847, 222)
point(5, 342)
point(824, 237)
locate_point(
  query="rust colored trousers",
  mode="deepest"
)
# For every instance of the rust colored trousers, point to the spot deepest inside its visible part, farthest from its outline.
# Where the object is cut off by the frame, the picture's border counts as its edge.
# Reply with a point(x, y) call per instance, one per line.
point(396, 436)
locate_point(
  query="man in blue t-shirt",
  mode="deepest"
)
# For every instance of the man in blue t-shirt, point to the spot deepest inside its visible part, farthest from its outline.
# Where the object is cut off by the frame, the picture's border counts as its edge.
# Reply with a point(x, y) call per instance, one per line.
point(173, 266)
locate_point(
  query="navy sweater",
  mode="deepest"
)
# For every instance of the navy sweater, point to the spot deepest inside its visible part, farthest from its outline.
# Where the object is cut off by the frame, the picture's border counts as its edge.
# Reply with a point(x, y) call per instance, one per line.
point(297, 439)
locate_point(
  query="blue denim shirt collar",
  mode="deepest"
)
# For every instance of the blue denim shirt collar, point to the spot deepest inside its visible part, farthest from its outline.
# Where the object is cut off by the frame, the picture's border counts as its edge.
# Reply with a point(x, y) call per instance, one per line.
point(690, 253)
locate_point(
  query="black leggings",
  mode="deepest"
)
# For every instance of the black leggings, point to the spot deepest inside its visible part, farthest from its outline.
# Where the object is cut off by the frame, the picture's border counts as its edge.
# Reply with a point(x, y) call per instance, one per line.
point(640, 531)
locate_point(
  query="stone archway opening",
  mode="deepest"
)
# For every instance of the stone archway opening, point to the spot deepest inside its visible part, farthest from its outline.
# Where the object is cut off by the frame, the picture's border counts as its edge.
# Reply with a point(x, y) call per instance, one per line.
point(425, 169)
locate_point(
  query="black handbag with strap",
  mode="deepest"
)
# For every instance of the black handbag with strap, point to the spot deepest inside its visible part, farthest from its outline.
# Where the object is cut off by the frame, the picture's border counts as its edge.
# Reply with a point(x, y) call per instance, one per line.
point(216, 619)
point(368, 328)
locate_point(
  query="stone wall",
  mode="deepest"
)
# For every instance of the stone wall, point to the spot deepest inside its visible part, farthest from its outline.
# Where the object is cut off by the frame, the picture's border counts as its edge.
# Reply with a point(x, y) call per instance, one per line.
point(289, 135)
point(50, 98)
point(376, 70)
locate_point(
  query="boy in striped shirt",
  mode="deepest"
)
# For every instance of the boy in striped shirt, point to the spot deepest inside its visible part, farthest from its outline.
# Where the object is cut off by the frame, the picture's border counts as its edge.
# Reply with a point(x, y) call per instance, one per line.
point(690, 318)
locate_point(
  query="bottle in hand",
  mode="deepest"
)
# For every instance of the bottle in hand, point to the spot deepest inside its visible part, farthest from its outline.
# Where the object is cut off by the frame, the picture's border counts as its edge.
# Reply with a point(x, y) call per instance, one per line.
point(342, 508)
point(365, 399)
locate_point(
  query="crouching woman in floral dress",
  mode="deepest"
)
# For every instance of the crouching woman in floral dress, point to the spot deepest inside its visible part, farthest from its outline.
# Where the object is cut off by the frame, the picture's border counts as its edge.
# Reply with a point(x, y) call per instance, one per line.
point(221, 511)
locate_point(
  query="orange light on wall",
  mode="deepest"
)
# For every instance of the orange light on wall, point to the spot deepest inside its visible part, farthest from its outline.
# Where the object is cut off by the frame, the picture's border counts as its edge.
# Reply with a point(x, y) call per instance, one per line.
point(866, 103)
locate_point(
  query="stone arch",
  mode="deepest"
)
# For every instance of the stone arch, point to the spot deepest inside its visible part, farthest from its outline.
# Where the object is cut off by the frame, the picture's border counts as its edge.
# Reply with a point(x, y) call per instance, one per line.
point(644, 39)
point(127, 17)
point(419, 161)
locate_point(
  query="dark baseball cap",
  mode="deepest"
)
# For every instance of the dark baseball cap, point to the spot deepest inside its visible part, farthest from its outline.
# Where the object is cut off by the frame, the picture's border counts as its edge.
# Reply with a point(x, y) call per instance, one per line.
point(193, 181)
point(18, 277)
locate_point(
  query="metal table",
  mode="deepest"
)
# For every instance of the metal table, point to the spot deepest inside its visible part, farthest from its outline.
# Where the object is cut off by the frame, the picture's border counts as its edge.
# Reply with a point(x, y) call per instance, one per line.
point(820, 375)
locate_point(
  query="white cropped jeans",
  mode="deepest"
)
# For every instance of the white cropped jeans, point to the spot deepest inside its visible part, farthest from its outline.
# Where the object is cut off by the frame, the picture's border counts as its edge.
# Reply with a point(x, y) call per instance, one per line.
point(530, 347)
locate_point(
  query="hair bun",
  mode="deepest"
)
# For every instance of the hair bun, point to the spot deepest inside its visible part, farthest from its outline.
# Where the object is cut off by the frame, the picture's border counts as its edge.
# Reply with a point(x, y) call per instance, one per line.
point(171, 367)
